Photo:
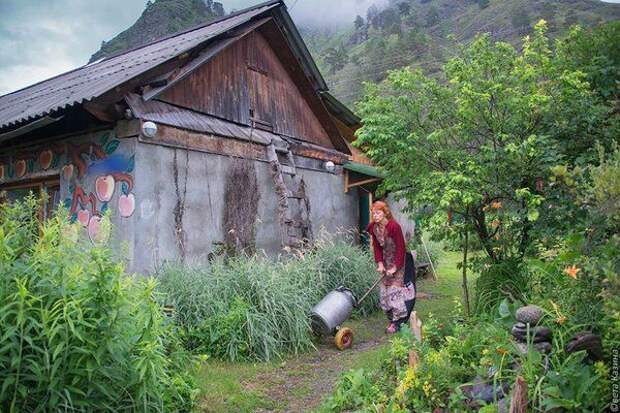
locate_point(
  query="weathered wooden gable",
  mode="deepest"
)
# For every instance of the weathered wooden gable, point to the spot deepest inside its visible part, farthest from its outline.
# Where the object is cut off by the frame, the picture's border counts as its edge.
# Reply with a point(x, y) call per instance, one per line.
point(253, 83)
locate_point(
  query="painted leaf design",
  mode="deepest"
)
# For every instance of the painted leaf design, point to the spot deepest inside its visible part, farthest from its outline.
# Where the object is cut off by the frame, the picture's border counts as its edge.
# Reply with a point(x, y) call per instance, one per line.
point(67, 204)
point(104, 138)
point(74, 218)
point(125, 188)
point(131, 163)
point(104, 207)
point(111, 146)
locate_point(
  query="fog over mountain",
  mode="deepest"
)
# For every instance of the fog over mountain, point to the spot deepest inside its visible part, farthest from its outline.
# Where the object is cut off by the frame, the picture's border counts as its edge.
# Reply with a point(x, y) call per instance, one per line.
point(318, 13)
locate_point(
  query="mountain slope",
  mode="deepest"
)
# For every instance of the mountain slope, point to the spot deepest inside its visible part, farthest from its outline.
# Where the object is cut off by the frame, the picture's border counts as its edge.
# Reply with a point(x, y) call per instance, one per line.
point(425, 33)
point(159, 19)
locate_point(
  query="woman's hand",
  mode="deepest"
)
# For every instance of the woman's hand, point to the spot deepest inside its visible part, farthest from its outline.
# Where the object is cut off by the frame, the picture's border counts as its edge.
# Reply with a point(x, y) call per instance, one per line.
point(391, 271)
point(380, 268)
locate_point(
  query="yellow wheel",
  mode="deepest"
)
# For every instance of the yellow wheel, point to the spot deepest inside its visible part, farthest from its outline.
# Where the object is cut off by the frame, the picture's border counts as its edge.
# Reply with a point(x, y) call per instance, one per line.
point(344, 338)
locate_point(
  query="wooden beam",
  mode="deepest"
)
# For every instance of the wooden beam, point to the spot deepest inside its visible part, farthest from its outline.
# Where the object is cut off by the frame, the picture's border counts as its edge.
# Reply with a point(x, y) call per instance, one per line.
point(346, 181)
point(362, 182)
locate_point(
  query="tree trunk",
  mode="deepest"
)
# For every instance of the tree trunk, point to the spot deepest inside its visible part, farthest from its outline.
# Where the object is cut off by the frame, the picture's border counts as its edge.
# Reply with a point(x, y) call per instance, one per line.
point(465, 288)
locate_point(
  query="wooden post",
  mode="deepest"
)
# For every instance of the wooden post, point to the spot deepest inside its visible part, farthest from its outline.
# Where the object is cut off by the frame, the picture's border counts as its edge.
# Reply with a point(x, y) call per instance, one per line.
point(416, 329)
point(518, 404)
point(429, 258)
point(416, 326)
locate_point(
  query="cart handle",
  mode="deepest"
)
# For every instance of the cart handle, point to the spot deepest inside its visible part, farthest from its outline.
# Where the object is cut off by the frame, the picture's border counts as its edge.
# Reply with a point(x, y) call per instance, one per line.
point(371, 288)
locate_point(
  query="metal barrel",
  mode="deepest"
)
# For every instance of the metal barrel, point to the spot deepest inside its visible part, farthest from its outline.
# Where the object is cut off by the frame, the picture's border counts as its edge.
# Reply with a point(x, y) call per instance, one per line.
point(334, 309)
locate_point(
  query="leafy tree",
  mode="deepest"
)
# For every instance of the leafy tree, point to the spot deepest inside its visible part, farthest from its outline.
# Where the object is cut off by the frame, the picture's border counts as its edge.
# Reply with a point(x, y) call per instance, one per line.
point(404, 8)
point(359, 22)
point(336, 58)
point(432, 16)
point(477, 146)
point(371, 16)
point(519, 19)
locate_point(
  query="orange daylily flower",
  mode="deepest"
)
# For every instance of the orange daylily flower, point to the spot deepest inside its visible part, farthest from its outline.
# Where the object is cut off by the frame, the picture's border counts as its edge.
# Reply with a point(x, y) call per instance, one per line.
point(572, 271)
point(496, 204)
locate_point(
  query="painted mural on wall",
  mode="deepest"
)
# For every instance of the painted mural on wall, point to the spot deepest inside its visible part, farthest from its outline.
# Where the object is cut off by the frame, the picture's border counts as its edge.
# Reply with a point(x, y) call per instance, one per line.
point(91, 173)
point(94, 172)
point(24, 164)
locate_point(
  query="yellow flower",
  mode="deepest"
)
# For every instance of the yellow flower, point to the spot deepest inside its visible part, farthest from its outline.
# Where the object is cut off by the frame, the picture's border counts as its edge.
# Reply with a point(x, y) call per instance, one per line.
point(561, 318)
point(572, 271)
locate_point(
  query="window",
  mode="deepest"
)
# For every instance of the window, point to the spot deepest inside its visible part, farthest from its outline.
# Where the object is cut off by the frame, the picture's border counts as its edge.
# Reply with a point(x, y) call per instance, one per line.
point(18, 191)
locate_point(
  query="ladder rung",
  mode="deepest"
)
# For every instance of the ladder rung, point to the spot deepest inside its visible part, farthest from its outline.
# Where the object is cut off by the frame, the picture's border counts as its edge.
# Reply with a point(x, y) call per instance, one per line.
point(295, 195)
point(297, 224)
point(286, 169)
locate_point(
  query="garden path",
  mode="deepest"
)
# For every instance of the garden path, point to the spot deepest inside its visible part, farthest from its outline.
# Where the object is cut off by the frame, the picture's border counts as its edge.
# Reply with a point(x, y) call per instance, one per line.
point(301, 383)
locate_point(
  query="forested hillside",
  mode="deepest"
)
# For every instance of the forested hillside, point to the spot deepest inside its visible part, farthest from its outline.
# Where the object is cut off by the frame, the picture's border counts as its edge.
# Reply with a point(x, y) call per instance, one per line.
point(425, 33)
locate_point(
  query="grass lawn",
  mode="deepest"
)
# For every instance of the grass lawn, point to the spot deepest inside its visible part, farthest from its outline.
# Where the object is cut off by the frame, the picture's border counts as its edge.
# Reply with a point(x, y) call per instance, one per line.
point(299, 383)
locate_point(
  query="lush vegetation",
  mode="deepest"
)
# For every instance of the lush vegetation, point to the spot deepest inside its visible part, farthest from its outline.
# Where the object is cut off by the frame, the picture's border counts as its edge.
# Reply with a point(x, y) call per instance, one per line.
point(257, 308)
point(459, 355)
point(76, 333)
point(523, 145)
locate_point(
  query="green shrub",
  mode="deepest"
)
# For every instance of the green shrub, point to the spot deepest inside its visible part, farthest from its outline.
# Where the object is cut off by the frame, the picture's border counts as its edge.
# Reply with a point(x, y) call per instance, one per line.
point(76, 333)
point(251, 307)
point(506, 279)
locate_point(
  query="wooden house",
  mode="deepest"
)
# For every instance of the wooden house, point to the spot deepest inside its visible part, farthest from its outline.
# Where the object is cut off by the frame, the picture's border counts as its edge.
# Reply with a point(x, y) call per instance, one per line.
point(222, 136)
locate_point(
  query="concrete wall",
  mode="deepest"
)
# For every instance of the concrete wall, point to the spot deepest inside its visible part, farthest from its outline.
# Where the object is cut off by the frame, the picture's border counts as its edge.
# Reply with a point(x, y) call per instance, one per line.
point(181, 200)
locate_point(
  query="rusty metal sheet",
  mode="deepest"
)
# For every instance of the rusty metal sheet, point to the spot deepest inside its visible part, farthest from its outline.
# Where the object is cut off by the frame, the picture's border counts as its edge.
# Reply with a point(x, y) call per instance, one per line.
point(167, 114)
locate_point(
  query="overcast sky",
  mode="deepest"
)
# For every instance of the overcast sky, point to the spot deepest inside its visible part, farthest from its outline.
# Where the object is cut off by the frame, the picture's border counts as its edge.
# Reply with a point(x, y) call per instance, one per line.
point(42, 38)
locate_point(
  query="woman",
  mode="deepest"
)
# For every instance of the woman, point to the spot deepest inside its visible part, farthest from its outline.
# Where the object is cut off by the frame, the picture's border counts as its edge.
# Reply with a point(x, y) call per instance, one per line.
point(397, 294)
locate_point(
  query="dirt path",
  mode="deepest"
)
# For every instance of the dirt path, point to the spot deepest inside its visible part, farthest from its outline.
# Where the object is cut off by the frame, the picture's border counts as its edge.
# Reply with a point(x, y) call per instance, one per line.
point(300, 384)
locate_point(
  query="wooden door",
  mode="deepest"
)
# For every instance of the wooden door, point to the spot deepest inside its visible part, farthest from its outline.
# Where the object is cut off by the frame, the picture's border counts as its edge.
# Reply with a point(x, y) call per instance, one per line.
point(261, 102)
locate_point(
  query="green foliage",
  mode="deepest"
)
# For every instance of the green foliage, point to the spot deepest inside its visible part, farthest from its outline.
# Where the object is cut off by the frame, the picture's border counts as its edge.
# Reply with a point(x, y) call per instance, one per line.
point(256, 308)
point(355, 390)
point(493, 138)
point(473, 352)
point(499, 281)
point(76, 333)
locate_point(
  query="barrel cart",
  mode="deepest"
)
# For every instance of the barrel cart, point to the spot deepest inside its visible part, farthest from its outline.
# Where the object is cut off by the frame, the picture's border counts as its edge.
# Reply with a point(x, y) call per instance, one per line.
point(333, 310)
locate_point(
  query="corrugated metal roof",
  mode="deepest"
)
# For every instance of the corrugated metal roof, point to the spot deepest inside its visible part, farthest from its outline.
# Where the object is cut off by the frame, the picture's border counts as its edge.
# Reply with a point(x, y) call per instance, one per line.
point(95, 79)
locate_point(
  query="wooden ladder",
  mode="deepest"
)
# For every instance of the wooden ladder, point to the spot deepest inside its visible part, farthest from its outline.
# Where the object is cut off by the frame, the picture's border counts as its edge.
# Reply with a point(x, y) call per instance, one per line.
point(293, 203)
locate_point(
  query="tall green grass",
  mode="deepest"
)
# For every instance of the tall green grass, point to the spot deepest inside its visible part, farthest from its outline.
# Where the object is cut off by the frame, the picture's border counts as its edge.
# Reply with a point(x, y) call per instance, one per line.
point(256, 308)
point(76, 334)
